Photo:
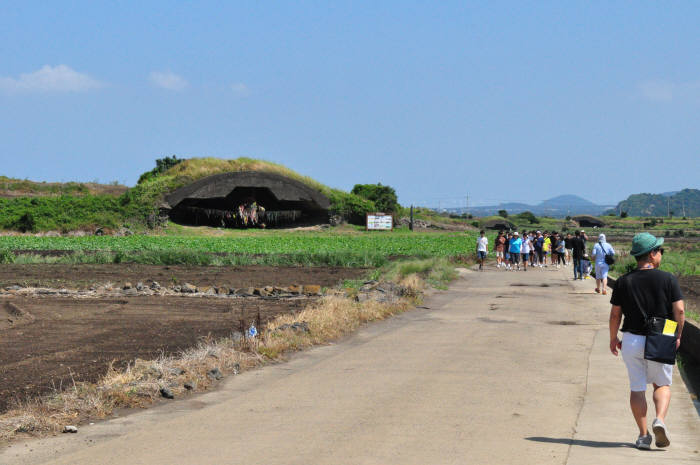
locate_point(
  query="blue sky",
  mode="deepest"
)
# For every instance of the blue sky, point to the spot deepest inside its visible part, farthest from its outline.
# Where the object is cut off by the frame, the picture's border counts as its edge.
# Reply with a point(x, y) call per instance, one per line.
point(501, 101)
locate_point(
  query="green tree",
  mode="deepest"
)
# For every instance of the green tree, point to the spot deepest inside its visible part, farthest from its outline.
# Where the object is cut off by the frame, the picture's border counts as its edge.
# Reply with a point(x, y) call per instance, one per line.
point(162, 165)
point(529, 217)
point(384, 197)
point(503, 213)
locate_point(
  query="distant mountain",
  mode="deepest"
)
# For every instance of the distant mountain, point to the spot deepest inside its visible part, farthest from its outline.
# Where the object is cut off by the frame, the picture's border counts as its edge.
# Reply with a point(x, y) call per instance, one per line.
point(566, 201)
point(683, 203)
point(556, 207)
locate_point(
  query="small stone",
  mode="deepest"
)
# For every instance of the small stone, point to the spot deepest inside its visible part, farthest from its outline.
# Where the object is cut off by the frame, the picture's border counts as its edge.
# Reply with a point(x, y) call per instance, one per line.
point(126, 286)
point(130, 292)
point(206, 290)
point(155, 286)
point(262, 292)
point(236, 368)
point(295, 290)
point(177, 371)
point(188, 288)
point(215, 373)
point(177, 288)
point(70, 429)
point(190, 385)
point(13, 288)
point(139, 287)
point(167, 393)
point(312, 289)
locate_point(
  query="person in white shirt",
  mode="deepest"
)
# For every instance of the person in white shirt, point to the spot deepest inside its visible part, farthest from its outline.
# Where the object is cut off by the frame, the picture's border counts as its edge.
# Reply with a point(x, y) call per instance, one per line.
point(482, 248)
point(525, 249)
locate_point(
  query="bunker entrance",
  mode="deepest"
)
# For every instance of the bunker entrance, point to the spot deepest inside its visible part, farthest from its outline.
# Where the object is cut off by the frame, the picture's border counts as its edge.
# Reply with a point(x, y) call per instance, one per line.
point(245, 207)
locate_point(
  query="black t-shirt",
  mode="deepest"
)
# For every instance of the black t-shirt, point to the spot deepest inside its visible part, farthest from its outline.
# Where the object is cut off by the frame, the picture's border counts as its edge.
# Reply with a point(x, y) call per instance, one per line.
point(655, 290)
point(577, 246)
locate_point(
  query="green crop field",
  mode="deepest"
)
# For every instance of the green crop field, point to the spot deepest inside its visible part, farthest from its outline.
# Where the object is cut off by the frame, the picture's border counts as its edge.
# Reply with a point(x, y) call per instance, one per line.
point(269, 247)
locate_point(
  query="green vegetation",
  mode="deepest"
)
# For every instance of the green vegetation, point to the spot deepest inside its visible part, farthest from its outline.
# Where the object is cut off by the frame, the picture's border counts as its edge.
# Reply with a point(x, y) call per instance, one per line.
point(681, 259)
point(66, 212)
point(72, 206)
point(260, 247)
point(162, 165)
point(20, 187)
point(684, 203)
point(438, 272)
point(384, 197)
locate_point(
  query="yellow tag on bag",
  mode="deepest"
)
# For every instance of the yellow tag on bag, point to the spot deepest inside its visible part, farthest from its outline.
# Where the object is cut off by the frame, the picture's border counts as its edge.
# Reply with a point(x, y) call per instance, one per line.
point(670, 328)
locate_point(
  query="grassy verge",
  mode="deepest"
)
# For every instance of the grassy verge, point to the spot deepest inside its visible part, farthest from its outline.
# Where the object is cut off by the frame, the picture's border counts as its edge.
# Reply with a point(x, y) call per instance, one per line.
point(142, 382)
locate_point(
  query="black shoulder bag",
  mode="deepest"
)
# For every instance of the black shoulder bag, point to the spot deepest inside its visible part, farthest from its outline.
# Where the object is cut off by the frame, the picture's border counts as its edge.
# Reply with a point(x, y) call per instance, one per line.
point(609, 258)
point(660, 345)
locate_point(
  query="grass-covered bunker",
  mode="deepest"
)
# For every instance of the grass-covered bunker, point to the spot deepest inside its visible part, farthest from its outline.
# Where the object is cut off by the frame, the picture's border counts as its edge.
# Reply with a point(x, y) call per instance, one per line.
point(246, 199)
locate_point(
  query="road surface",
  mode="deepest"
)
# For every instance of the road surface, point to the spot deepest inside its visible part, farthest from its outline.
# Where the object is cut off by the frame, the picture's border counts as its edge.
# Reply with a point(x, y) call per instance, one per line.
point(504, 368)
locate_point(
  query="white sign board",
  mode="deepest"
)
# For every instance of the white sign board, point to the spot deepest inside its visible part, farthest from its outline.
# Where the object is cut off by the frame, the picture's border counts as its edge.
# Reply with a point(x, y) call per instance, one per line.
point(380, 222)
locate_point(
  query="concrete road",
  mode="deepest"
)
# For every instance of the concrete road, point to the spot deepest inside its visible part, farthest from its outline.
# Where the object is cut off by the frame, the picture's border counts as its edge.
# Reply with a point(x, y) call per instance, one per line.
point(505, 368)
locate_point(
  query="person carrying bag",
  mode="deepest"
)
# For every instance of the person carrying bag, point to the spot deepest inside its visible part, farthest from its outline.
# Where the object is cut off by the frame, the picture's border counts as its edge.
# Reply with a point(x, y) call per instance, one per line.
point(652, 305)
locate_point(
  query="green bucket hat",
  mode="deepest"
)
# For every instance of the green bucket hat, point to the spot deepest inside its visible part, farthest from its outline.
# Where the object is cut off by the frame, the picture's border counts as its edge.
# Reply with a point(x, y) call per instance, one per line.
point(644, 243)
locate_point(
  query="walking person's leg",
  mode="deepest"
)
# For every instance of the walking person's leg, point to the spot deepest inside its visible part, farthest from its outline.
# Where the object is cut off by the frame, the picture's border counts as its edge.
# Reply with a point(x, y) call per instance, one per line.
point(638, 404)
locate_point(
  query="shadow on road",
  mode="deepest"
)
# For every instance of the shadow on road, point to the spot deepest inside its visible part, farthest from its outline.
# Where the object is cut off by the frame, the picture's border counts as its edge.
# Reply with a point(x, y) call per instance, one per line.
point(580, 442)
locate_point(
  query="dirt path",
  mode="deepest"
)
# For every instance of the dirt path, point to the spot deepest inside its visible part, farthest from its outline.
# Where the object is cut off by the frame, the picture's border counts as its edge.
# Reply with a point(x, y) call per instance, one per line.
point(504, 368)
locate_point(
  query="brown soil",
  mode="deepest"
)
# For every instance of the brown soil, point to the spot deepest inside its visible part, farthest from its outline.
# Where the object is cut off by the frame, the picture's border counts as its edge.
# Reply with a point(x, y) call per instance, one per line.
point(53, 340)
point(84, 276)
point(77, 338)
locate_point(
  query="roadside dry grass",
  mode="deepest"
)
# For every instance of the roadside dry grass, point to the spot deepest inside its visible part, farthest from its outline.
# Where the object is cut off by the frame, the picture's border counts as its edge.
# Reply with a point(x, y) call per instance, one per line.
point(196, 369)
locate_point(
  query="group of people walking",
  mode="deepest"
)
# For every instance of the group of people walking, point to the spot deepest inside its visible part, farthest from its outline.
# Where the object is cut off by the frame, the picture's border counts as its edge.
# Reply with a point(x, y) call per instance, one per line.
point(644, 302)
point(541, 249)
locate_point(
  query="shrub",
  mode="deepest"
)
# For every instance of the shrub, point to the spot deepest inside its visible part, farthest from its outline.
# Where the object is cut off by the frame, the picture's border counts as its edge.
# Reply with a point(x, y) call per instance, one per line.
point(529, 217)
point(384, 197)
point(26, 223)
point(7, 256)
point(351, 207)
point(503, 213)
point(162, 165)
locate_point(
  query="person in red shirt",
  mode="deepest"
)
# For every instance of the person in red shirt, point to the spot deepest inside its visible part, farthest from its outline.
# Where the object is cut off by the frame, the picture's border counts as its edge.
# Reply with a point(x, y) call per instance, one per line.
point(499, 247)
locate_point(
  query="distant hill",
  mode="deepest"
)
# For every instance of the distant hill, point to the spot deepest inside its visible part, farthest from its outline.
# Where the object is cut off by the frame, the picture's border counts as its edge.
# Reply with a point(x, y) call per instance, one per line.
point(567, 201)
point(683, 203)
point(556, 207)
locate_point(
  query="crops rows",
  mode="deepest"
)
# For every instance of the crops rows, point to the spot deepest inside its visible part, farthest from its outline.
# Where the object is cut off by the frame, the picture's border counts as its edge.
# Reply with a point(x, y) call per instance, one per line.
point(359, 249)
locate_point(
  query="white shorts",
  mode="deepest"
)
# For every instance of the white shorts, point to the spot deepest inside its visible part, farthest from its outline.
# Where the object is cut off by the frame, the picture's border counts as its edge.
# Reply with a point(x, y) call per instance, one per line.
point(499, 254)
point(601, 270)
point(640, 371)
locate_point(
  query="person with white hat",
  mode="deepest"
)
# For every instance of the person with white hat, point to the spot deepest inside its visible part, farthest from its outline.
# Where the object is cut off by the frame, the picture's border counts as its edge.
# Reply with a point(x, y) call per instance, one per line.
point(515, 245)
point(600, 250)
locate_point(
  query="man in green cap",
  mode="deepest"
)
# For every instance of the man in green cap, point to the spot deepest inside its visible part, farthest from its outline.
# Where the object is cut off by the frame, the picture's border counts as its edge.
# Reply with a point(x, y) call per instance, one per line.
point(660, 295)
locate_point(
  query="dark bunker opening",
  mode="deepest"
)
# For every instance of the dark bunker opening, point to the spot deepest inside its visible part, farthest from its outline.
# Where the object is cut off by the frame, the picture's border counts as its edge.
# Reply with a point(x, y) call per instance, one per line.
point(247, 200)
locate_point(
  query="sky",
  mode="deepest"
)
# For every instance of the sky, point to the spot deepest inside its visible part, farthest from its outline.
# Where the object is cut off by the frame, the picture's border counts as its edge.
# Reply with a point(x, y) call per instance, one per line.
point(444, 101)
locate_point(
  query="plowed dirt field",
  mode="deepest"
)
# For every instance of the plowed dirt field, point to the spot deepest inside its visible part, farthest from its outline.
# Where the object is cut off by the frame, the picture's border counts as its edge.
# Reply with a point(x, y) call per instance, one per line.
point(53, 340)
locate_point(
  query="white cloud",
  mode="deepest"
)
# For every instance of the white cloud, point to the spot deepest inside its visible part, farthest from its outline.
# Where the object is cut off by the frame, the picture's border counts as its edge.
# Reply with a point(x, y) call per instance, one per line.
point(240, 89)
point(657, 91)
point(168, 80)
point(667, 92)
point(59, 78)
